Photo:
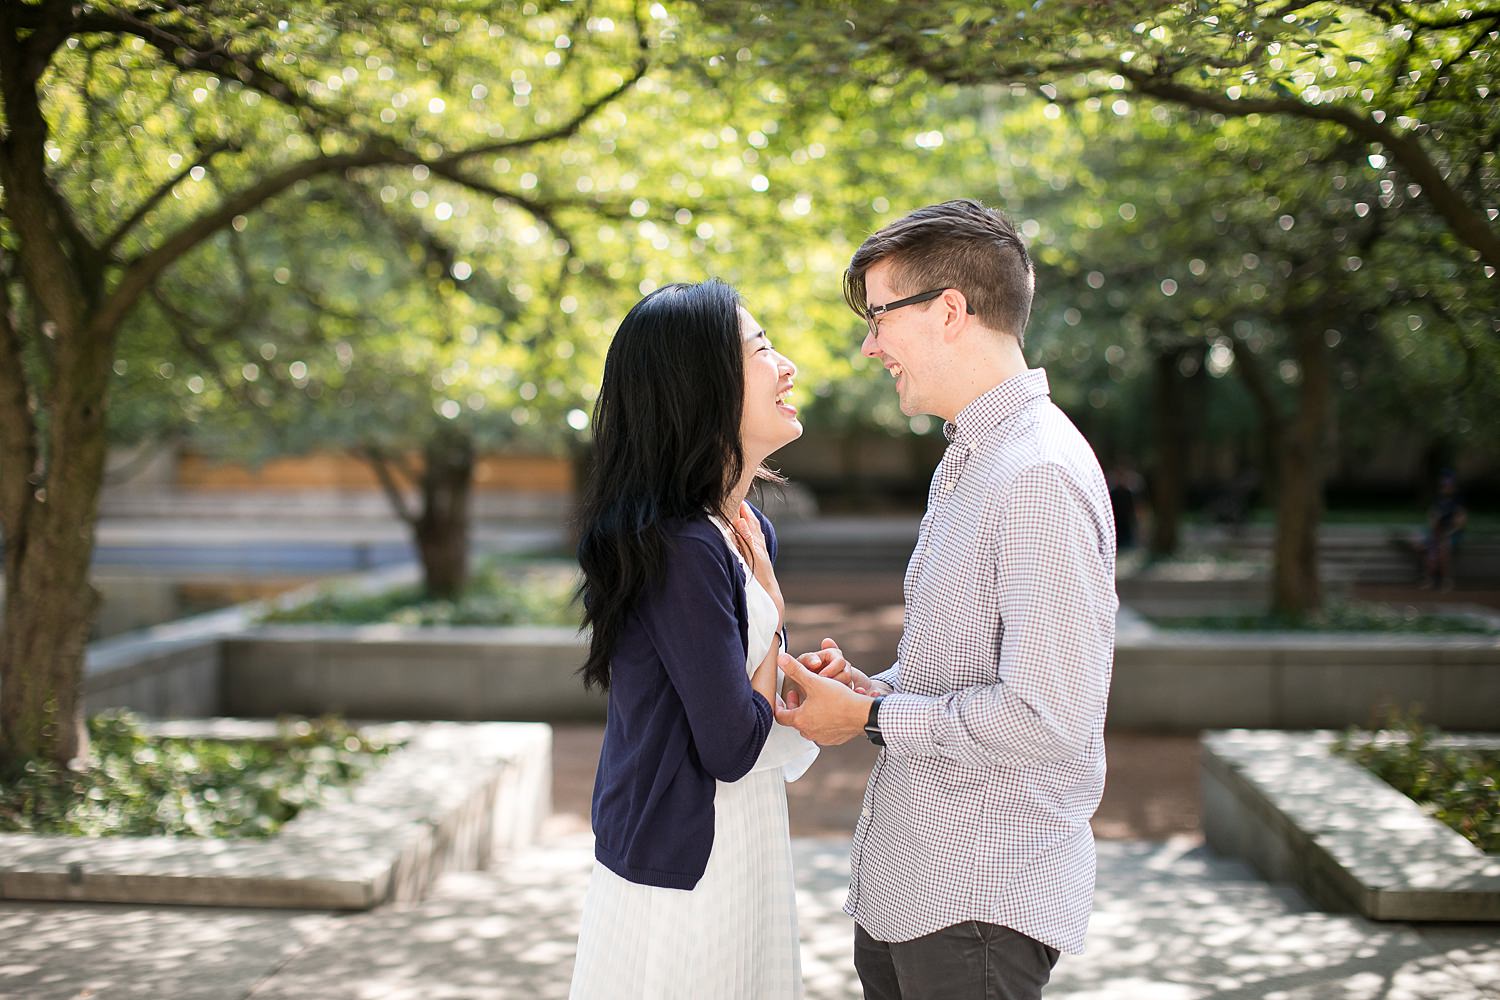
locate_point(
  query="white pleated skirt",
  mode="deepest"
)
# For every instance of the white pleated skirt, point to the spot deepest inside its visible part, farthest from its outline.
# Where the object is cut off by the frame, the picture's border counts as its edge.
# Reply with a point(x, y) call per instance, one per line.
point(731, 937)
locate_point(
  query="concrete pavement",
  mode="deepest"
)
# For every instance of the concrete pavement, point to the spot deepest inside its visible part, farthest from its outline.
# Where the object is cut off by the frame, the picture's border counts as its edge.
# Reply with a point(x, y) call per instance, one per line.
point(1171, 923)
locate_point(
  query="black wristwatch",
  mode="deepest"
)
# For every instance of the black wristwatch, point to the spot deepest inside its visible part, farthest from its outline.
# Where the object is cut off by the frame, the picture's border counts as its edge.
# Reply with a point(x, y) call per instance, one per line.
point(872, 724)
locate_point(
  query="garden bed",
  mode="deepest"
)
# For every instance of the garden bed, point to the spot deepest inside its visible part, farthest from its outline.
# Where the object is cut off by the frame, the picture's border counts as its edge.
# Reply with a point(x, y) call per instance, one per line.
point(1456, 781)
point(141, 781)
point(1345, 616)
point(449, 797)
point(499, 593)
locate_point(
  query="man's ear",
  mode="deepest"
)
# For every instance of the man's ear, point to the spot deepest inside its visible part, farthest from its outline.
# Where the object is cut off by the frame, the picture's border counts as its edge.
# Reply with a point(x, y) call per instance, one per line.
point(956, 315)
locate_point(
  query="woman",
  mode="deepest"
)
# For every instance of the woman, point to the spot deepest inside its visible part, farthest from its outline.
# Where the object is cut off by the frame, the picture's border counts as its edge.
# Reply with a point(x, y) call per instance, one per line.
point(692, 892)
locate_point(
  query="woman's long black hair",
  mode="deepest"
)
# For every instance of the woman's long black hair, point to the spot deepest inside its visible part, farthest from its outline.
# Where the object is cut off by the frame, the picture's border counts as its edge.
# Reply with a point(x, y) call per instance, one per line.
point(666, 445)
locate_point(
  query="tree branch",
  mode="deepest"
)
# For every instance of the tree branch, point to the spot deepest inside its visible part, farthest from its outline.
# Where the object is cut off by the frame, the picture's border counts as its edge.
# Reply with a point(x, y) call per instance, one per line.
point(183, 325)
point(114, 238)
point(198, 53)
point(29, 199)
point(1253, 376)
point(1467, 224)
point(140, 273)
point(566, 130)
point(381, 464)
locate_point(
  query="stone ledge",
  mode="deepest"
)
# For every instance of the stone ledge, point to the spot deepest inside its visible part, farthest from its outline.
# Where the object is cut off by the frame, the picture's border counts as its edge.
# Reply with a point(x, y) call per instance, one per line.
point(452, 797)
point(399, 671)
point(1282, 801)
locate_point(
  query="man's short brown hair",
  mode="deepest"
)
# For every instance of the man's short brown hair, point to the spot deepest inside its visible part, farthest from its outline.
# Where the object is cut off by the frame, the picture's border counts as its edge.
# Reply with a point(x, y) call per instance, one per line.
point(958, 244)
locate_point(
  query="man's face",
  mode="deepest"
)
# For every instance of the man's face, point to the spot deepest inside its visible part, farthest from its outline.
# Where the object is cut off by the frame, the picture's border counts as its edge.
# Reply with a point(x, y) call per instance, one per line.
point(907, 342)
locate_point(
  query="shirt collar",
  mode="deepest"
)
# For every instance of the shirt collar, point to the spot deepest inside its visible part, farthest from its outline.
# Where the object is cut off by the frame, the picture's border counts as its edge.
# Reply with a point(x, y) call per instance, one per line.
point(993, 408)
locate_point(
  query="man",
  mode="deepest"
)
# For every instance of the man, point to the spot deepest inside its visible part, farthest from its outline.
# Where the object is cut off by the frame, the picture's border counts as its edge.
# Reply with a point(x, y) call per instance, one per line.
point(972, 864)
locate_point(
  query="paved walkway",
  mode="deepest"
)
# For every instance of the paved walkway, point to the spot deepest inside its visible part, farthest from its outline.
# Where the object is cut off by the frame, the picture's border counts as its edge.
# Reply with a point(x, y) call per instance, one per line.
point(1171, 923)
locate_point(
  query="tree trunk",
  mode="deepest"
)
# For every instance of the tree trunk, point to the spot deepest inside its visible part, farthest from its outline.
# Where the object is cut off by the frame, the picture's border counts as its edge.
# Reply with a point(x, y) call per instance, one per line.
point(52, 439)
point(1296, 584)
point(49, 516)
point(48, 608)
point(442, 529)
point(49, 545)
point(1169, 406)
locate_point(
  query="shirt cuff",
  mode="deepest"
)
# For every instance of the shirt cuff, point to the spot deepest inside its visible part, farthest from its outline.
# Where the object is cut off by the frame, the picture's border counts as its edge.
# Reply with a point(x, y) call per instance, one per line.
point(905, 726)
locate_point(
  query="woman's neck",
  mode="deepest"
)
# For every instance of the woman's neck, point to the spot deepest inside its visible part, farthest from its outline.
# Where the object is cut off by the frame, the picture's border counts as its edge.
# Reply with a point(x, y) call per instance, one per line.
point(740, 491)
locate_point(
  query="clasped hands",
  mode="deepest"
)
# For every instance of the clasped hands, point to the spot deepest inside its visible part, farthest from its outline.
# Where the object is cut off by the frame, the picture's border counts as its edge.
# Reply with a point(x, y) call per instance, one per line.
point(826, 698)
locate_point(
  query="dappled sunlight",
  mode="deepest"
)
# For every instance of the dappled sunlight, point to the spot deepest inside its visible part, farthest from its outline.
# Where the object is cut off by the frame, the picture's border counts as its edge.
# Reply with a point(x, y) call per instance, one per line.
point(506, 933)
point(1163, 929)
point(822, 867)
point(54, 952)
point(1172, 922)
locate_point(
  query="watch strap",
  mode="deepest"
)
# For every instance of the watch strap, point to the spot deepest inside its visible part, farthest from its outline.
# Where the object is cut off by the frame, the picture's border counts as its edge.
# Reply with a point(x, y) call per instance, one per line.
point(872, 723)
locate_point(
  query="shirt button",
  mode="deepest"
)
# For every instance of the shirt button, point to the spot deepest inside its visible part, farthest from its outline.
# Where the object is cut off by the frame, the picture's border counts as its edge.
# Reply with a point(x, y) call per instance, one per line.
point(948, 487)
point(865, 813)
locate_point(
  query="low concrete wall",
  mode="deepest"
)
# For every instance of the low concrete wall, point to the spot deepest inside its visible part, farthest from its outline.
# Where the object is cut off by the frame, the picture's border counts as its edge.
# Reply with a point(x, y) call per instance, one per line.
point(179, 680)
point(175, 670)
point(1186, 681)
point(170, 670)
point(392, 672)
point(1164, 680)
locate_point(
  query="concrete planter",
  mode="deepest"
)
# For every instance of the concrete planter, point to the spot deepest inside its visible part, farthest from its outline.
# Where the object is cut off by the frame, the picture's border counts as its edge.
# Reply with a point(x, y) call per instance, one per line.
point(452, 797)
point(1283, 802)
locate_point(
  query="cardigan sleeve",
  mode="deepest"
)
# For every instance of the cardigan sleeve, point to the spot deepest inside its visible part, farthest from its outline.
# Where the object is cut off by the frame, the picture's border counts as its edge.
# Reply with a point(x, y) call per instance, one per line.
point(693, 621)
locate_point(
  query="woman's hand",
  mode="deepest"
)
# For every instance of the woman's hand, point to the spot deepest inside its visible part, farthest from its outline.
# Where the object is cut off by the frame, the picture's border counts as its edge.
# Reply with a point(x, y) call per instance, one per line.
point(829, 662)
point(748, 526)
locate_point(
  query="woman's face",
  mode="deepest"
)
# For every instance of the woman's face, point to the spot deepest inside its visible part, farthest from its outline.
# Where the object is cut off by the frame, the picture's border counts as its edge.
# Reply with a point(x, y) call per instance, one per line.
point(768, 421)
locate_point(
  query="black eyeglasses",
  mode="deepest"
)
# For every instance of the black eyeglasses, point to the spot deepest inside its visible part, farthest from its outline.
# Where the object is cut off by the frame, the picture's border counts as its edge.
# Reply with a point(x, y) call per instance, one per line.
point(874, 312)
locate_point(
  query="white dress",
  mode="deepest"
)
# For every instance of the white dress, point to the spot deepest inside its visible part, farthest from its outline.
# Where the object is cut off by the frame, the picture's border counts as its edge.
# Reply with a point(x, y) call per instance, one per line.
point(734, 935)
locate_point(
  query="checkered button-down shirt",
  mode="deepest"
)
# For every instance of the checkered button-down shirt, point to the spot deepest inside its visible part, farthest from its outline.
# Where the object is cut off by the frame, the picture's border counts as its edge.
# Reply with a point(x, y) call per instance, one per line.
point(978, 808)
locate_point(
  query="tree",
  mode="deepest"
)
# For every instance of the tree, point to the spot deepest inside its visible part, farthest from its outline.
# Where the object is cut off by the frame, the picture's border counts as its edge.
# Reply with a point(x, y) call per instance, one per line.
point(1403, 88)
point(1409, 81)
point(220, 109)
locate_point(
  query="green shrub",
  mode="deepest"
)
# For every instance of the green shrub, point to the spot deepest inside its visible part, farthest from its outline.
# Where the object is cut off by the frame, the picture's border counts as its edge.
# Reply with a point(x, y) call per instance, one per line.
point(1459, 785)
point(140, 785)
point(497, 594)
point(1348, 616)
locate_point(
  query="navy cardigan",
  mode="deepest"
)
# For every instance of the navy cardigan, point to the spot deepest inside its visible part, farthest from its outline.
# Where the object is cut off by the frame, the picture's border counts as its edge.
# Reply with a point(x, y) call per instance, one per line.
point(681, 713)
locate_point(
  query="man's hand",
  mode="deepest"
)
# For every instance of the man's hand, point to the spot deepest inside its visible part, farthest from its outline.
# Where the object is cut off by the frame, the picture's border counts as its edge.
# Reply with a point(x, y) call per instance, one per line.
point(827, 711)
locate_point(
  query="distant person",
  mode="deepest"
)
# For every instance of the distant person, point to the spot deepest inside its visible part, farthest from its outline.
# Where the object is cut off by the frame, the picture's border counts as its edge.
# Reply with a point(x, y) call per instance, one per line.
point(1125, 486)
point(1232, 506)
point(692, 895)
point(1446, 519)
